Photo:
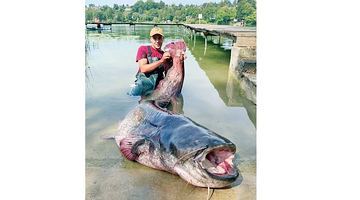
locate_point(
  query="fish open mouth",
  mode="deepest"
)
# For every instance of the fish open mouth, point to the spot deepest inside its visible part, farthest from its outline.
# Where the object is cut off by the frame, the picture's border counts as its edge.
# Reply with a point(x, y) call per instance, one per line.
point(218, 163)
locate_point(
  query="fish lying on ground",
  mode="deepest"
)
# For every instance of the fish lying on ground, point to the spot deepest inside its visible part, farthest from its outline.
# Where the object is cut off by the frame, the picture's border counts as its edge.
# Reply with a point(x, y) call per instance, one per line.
point(176, 144)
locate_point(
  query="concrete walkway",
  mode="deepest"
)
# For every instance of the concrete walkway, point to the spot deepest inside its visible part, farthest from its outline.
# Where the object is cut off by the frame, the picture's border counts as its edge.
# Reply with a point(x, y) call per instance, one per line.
point(242, 36)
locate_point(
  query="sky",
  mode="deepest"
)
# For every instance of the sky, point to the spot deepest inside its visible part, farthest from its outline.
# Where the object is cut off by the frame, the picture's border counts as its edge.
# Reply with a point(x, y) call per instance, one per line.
point(132, 2)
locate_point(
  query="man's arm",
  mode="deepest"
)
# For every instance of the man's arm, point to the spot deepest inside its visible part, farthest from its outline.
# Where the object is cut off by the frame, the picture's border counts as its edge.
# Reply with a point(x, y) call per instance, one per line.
point(145, 67)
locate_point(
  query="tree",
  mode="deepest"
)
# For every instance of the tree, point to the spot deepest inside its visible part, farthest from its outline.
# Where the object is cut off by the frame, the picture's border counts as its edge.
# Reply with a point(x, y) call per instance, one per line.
point(251, 19)
point(225, 14)
point(119, 16)
point(150, 4)
point(151, 11)
point(89, 15)
point(138, 6)
point(246, 10)
point(100, 15)
point(109, 14)
point(225, 3)
point(209, 12)
point(161, 5)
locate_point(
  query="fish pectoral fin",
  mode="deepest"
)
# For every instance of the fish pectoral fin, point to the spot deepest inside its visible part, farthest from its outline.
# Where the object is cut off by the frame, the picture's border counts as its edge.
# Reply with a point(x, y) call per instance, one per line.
point(129, 147)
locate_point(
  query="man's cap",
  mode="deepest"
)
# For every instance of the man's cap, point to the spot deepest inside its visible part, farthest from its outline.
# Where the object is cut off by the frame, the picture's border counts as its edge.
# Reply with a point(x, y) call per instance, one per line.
point(156, 30)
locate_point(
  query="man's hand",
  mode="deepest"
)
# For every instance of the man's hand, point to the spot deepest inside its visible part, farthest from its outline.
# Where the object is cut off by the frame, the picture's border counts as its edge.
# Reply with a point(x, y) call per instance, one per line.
point(182, 56)
point(165, 56)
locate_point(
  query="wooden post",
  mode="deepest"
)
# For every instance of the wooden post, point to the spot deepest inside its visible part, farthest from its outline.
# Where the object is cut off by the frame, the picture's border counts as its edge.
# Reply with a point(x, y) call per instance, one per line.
point(194, 38)
point(205, 45)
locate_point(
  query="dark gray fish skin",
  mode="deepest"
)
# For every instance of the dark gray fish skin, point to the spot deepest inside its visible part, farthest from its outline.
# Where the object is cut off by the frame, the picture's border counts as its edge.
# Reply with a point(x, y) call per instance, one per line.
point(174, 143)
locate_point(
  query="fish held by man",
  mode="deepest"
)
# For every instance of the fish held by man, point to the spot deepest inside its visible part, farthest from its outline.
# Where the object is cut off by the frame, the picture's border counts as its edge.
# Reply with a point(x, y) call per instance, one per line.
point(172, 84)
point(168, 87)
point(174, 143)
point(167, 94)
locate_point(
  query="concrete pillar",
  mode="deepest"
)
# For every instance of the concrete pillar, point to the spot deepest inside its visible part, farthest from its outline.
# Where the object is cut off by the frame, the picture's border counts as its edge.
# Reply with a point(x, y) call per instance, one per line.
point(239, 55)
point(205, 45)
point(194, 33)
point(243, 66)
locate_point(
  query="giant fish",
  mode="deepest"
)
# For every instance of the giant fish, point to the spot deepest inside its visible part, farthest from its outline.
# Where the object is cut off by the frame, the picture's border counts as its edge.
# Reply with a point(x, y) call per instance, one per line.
point(174, 143)
point(169, 141)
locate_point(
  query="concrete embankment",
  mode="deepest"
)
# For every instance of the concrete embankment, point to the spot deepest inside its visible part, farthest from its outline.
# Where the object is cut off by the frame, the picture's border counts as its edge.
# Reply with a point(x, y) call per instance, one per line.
point(243, 67)
point(243, 53)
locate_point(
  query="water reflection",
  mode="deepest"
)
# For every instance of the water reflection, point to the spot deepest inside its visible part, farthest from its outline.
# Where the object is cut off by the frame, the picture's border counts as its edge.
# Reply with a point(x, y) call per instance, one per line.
point(88, 74)
point(237, 98)
point(215, 64)
point(214, 60)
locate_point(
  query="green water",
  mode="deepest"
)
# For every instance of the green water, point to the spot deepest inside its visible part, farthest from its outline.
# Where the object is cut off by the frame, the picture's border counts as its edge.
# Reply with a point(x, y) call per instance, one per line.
point(110, 70)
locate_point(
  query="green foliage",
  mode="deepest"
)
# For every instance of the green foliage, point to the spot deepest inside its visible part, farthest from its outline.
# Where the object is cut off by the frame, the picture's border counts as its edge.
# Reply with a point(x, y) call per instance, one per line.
point(251, 19)
point(224, 12)
point(246, 10)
